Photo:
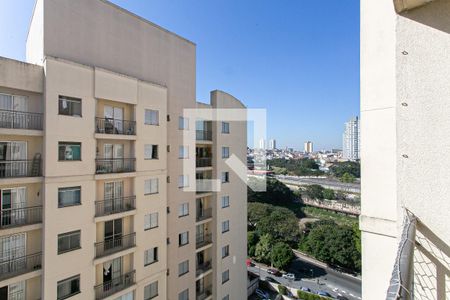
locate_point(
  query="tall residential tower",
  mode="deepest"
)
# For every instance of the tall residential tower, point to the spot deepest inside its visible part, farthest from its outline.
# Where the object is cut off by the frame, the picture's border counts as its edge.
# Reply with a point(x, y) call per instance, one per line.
point(351, 139)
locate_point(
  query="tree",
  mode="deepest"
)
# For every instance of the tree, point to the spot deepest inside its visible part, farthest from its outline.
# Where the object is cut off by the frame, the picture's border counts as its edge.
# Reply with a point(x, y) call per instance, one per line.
point(314, 191)
point(328, 194)
point(256, 212)
point(338, 169)
point(281, 255)
point(263, 249)
point(281, 225)
point(348, 178)
point(252, 241)
point(299, 167)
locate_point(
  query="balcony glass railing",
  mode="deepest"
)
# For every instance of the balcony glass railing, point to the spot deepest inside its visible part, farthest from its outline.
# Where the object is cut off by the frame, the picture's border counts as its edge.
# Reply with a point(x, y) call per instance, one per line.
point(20, 216)
point(20, 265)
point(115, 285)
point(203, 240)
point(20, 120)
point(115, 126)
point(114, 165)
point(115, 245)
point(114, 206)
point(203, 214)
point(20, 168)
point(203, 135)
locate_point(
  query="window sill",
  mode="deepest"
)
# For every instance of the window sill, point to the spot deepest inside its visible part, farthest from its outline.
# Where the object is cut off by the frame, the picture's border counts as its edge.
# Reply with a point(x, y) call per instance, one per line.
point(223, 282)
point(180, 246)
point(183, 216)
point(149, 264)
point(151, 194)
point(68, 296)
point(69, 250)
point(179, 275)
point(70, 205)
point(146, 229)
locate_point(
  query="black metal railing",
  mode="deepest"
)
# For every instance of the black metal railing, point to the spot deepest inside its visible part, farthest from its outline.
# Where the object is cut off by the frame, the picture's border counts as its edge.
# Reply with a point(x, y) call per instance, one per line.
point(20, 216)
point(203, 240)
point(114, 165)
point(115, 126)
point(114, 205)
point(20, 119)
point(202, 162)
point(205, 293)
point(115, 285)
point(204, 267)
point(203, 214)
point(20, 168)
point(20, 265)
point(203, 135)
point(115, 244)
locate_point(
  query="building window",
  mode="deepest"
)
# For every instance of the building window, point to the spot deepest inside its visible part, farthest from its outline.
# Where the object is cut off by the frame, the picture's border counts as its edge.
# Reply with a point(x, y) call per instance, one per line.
point(183, 210)
point(225, 177)
point(183, 123)
point(69, 241)
point(151, 117)
point(69, 196)
point(151, 221)
point(69, 106)
point(151, 186)
point(183, 152)
point(68, 287)
point(225, 201)
point(151, 290)
point(225, 127)
point(225, 152)
point(227, 297)
point(183, 268)
point(150, 256)
point(151, 151)
point(225, 251)
point(225, 226)
point(183, 181)
point(225, 276)
point(69, 151)
point(184, 295)
point(183, 238)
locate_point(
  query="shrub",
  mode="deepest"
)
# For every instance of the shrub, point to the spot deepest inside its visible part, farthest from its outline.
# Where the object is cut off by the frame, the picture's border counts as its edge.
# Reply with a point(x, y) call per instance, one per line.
point(282, 289)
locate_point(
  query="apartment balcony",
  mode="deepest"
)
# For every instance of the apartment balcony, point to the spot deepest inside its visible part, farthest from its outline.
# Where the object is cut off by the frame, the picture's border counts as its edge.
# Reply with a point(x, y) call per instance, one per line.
point(203, 214)
point(203, 162)
point(118, 284)
point(115, 126)
point(20, 168)
point(205, 293)
point(114, 165)
point(115, 245)
point(203, 240)
point(20, 217)
point(203, 268)
point(114, 206)
point(203, 135)
point(20, 265)
point(203, 186)
point(20, 120)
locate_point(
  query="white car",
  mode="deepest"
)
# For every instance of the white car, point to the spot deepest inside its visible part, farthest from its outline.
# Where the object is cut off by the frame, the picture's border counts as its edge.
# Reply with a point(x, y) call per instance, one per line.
point(262, 294)
point(289, 276)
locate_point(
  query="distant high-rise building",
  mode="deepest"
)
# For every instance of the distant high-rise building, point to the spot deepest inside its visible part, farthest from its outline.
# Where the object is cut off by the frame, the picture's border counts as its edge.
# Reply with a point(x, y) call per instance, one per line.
point(262, 144)
point(351, 139)
point(272, 144)
point(308, 147)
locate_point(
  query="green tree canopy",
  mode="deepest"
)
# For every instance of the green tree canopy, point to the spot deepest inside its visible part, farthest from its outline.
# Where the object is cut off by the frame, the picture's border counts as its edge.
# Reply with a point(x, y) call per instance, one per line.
point(328, 194)
point(314, 191)
point(281, 255)
point(299, 167)
point(264, 248)
point(348, 178)
point(281, 225)
point(252, 241)
point(338, 169)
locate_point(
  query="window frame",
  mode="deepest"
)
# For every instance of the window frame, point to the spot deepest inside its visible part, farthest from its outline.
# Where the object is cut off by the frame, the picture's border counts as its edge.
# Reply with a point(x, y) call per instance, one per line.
point(154, 256)
point(227, 204)
point(185, 182)
point(183, 263)
point(69, 235)
point(67, 143)
point(226, 125)
point(150, 111)
point(150, 290)
point(225, 177)
point(151, 185)
point(184, 295)
point(227, 252)
point(225, 226)
point(71, 100)
point(183, 123)
point(68, 280)
point(227, 277)
point(69, 188)
point(154, 147)
point(181, 208)
point(180, 236)
point(183, 152)
point(150, 221)
point(225, 152)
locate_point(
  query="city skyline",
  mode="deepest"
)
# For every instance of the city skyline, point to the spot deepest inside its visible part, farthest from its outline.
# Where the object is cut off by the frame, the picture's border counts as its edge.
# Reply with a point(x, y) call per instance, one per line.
point(294, 59)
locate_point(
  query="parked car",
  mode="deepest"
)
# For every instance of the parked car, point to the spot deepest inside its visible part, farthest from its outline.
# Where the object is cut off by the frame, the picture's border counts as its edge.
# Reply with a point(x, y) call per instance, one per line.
point(323, 293)
point(305, 289)
point(274, 272)
point(289, 276)
point(271, 279)
point(262, 294)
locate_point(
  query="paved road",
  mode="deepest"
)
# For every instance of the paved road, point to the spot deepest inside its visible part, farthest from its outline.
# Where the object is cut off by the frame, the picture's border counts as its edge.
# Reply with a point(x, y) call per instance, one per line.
point(325, 182)
point(317, 277)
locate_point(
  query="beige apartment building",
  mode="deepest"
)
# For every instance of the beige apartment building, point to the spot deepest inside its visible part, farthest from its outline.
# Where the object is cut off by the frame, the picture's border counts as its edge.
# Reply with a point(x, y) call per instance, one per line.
point(95, 199)
point(405, 208)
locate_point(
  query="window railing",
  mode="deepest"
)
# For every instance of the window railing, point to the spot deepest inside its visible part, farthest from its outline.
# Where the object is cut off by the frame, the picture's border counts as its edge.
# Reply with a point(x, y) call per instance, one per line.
point(202, 162)
point(20, 168)
point(115, 244)
point(20, 216)
point(115, 126)
point(114, 205)
point(203, 135)
point(204, 267)
point(205, 293)
point(114, 165)
point(203, 240)
point(20, 119)
point(115, 285)
point(20, 265)
point(203, 214)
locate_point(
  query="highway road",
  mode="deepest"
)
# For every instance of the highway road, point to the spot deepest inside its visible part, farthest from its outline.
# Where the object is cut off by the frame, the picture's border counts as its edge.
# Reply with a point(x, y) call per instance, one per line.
point(316, 277)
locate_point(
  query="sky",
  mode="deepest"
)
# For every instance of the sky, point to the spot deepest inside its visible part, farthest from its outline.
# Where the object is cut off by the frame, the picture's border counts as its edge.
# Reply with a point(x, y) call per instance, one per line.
point(298, 59)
